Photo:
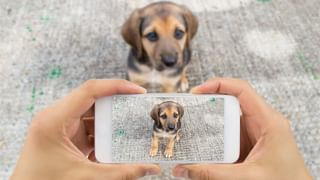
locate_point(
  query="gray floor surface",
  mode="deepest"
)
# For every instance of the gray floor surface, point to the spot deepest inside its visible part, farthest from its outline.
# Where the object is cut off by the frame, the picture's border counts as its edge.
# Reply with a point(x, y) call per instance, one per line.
point(48, 48)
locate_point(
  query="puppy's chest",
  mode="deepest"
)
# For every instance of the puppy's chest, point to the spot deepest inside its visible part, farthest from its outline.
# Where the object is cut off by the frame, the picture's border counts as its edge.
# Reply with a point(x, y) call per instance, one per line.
point(153, 76)
point(164, 134)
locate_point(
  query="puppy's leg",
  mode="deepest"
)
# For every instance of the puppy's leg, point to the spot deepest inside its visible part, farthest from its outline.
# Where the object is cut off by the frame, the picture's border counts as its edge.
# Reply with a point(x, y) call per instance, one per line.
point(154, 145)
point(178, 136)
point(184, 83)
point(168, 153)
point(169, 88)
point(169, 84)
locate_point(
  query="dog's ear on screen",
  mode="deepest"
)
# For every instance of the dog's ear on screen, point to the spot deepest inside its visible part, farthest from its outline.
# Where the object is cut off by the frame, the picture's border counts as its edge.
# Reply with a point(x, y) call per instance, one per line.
point(191, 23)
point(155, 113)
point(131, 32)
point(181, 110)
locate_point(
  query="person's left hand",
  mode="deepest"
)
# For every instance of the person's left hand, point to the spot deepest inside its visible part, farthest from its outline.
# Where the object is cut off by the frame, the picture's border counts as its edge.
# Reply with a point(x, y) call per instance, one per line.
point(57, 145)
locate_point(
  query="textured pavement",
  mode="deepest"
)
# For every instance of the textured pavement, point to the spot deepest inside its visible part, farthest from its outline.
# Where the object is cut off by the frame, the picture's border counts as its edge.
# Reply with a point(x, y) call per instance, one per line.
point(48, 48)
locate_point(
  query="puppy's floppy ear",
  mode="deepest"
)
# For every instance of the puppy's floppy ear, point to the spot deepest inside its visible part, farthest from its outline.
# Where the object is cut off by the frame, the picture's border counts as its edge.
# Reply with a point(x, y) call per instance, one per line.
point(191, 23)
point(131, 32)
point(181, 110)
point(155, 113)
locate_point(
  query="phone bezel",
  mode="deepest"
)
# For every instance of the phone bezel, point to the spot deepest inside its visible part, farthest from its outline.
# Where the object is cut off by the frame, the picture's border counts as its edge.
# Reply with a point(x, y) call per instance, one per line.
point(103, 128)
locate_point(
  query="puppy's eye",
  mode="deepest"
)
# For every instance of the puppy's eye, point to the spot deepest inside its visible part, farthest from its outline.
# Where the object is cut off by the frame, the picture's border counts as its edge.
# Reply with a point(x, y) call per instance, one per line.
point(152, 36)
point(178, 34)
point(163, 116)
point(175, 115)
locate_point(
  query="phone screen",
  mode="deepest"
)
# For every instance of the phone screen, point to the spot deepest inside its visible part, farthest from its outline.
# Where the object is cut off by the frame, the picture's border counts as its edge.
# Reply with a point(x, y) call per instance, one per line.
point(136, 120)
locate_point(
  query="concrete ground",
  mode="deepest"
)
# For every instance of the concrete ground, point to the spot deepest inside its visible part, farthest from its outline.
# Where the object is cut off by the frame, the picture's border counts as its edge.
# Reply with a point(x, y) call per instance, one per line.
point(48, 48)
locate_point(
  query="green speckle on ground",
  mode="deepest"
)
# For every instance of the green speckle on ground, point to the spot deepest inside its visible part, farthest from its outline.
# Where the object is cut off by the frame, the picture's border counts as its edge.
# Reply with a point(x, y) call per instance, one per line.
point(213, 99)
point(30, 108)
point(55, 73)
point(316, 76)
point(305, 63)
point(116, 108)
point(307, 66)
point(33, 39)
point(120, 132)
point(45, 18)
point(264, 1)
point(29, 29)
point(33, 93)
point(33, 98)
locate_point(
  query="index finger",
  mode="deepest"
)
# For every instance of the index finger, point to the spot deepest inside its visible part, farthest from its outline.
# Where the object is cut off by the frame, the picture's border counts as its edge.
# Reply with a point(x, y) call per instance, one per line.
point(82, 98)
point(74, 105)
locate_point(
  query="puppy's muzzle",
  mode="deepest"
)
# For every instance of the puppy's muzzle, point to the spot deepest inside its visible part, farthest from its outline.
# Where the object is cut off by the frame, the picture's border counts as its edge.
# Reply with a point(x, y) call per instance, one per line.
point(169, 60)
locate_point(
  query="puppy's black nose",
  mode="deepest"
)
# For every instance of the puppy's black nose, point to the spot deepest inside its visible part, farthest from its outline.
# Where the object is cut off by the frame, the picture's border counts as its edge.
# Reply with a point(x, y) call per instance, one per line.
point(169, 60)
point(171, 126)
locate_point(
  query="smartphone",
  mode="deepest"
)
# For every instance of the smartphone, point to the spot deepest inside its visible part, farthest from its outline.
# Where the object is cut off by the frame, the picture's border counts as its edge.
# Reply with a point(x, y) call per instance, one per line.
point(175, 128)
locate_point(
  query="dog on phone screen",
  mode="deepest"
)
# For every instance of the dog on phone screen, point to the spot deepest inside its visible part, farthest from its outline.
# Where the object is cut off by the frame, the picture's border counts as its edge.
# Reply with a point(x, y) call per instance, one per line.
point(167, 123)
point(160, 37)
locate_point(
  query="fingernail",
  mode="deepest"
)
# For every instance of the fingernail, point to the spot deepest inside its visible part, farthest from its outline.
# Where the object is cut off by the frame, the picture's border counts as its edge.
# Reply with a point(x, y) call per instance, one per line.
point(143, 90)
point(194, 89)
point(138, 88)
point(181, 172)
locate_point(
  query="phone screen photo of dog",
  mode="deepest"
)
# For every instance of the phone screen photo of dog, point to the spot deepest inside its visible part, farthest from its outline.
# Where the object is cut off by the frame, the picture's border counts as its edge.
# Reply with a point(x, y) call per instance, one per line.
point(167, 129)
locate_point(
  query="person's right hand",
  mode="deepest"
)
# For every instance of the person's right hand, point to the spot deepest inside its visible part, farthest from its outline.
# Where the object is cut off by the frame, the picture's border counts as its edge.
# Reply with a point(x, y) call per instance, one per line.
point(268, 149)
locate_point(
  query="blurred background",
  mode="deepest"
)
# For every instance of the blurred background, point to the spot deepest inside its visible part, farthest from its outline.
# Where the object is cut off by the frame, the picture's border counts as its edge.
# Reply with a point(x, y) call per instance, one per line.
point(47, 48)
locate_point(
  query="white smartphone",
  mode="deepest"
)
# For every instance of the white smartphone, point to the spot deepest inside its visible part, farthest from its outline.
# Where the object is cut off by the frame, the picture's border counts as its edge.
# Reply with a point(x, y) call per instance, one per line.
point(175, 128)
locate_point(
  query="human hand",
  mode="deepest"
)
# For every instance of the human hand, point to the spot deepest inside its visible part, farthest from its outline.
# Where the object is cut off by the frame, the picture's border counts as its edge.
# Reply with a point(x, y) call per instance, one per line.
point(267, 150)
point(57, 146)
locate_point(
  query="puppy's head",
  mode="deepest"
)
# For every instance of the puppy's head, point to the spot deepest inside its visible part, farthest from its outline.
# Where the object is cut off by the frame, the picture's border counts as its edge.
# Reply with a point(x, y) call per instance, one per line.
point(167, 115)
point(162, 32)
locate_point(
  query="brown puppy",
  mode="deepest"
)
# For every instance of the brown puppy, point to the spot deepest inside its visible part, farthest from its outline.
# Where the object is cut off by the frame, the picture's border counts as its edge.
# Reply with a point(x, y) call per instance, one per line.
point(160, 38)
point(167, 123)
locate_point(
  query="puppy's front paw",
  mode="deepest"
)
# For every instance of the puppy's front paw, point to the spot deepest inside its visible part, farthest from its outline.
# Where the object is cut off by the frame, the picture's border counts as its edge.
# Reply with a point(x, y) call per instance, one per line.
point(168, 153)
point(153, 152)
point(177, 138)
point(184, 86)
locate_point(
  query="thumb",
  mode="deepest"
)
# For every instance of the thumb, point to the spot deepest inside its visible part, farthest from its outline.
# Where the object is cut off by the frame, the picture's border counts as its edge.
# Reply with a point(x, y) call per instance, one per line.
point(122, 171)
point(217, 171)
